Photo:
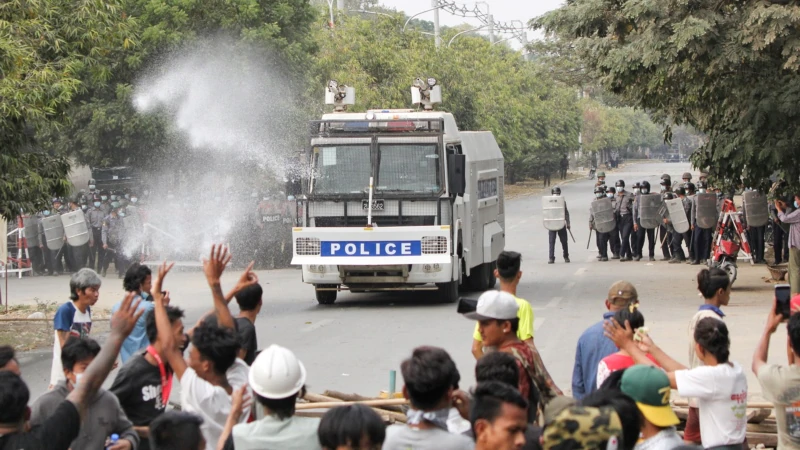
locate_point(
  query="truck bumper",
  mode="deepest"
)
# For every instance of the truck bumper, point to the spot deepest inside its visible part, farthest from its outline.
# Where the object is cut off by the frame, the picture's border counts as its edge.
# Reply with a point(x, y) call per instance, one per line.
point(385, 276)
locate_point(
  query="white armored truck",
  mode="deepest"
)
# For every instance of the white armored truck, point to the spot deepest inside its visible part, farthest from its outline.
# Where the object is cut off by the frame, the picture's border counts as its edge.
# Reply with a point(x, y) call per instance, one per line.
point(399, 200)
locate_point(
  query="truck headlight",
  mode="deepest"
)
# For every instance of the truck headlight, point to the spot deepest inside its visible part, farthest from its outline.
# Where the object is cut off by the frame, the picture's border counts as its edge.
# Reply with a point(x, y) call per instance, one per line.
point(314, 268)
point(307, 246)
point(434, 245)
point(431, 268)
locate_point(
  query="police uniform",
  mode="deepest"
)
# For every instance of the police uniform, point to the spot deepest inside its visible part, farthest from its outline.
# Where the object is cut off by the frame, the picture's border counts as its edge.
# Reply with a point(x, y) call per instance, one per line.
point(755, 236)
point(687, 236)
point(95, 218)
point(641, 232)
point(701, 238)
point(780, 237)
point(613, 235)
point(562, 235)
point(601, 238)
point(79, 254)
point(624, 210)
point(113, 234)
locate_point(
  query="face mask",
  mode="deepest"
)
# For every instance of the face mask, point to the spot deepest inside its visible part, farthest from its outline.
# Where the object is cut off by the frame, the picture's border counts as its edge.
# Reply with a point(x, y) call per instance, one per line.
point(96, 204)
point(46, 213)
point(115, 204)
point(84, 207)
point(663, 189)
point(78, 377)
point(701, 191)
point(122, 214)
point(104, 197)
point(91, 187)
point(134, 200)
point(610, 195)
point(796, 205)
point(113, 197)
point(599, 195)
point(127, 195)
point(636, 190)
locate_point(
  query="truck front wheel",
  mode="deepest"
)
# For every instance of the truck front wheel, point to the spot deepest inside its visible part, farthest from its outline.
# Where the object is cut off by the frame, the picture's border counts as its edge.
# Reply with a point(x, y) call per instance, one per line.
point(448, 292)
point(326, 297)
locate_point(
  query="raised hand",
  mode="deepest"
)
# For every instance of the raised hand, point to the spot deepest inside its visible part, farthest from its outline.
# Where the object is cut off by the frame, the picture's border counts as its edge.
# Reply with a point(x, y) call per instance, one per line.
point(123, 321)
point(215, 264)
point(158, 294)
point(248, 278)
point(621, 335)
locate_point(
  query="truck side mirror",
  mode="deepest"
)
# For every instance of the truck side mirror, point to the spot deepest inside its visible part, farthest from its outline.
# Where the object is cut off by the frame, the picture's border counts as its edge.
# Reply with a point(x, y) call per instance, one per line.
point(456, 174)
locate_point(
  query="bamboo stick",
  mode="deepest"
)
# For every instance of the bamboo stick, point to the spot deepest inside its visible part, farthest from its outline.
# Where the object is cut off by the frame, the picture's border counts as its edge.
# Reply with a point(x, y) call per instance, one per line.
point(358, 398)
point(382, 402)
point(750, 405)
point(317, 401)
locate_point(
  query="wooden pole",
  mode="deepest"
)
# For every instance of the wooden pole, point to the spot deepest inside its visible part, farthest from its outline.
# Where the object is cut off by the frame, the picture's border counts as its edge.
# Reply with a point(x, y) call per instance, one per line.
point(358, 398)
point(750, 405)
point(317, 401)
point(382, 402)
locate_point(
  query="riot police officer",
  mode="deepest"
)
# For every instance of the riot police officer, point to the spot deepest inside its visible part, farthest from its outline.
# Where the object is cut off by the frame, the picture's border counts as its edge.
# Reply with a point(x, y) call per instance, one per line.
point(601, 179)
point(113, 234)
point(666, 183)
point(562, 233)
point(613, 236)
point(686, 193)
point(701, 238)
point(671, 237)
point(601, 238)
point(624, 210)
point(95, 217)
point(62, 258)
point(755, 235)
point(639, 230)
point(637, 187)
point(105, 203)
point(78, 255)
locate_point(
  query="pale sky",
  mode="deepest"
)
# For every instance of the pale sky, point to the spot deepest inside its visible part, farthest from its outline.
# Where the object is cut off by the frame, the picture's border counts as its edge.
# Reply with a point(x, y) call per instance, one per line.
point(502, 10)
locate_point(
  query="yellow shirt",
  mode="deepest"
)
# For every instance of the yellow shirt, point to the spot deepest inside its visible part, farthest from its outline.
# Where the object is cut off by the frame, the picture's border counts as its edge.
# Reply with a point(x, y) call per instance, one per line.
point(525, 316)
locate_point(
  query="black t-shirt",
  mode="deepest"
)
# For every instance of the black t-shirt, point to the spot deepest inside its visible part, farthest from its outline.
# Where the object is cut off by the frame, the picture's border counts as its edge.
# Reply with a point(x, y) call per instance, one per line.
point(55, 433)
point(138, 388)
point(247, 336)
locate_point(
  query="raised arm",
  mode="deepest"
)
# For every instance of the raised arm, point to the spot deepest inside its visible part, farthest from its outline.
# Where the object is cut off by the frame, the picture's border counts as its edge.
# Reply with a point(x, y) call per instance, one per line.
point(623, 338)
point(762, 350)
point(169, 346)
point(122, 323)
point(213, 267)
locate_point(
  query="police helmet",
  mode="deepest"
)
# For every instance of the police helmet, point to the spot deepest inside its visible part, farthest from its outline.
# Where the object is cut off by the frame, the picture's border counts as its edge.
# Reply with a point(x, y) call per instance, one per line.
point(666, 177)
point(637, 185)
point(57, 200)
point(601, 174)
point(555, 191)
point(620, 183)
point(680, 191)
point(611, 190)
point(686, 176)
point(702, 184)
point(599, 189)
point(669, 195)
point(645, 186)
point(689, 187)
point(666, 182)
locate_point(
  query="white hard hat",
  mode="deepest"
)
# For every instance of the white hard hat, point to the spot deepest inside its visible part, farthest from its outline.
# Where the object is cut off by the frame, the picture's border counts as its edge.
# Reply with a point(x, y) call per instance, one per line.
point(277, 373)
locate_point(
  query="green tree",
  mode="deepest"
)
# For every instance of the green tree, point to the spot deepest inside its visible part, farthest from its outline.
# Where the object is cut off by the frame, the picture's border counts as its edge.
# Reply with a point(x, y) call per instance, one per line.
point(727, 68)
point(49, 51)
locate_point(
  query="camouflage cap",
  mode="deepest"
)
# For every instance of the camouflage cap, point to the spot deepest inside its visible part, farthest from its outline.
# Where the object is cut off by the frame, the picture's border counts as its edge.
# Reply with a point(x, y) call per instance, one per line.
point(554, 407)
point(582, 427)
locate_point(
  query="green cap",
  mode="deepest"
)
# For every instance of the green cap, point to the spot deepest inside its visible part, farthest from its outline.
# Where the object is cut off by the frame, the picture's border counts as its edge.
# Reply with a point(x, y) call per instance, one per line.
point(649, 387)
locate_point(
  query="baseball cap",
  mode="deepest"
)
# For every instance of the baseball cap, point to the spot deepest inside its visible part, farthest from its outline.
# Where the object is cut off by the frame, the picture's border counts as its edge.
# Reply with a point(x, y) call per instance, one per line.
point(583, 427)
point(649, 387)
point(490, 305)
point(622, 290)
point(554, 407)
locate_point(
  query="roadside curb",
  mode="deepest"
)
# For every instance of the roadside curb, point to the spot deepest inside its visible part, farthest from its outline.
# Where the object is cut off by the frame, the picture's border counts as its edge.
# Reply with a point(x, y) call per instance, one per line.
point(540, 190)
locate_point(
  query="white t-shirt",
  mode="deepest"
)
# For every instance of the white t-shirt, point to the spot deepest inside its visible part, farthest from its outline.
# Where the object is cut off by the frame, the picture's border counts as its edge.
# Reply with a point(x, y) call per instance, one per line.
point(721, 393)
point(211, 402)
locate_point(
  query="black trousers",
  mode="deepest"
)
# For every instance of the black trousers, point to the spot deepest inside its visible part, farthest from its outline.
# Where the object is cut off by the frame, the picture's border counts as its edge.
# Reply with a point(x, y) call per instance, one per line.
point(780, 243)
point(756, 237)
point(701, 241)
point(562, 235)
point(665, 235)
point(687, 237)
point(60, 259)
point(625, 228)
point(37, 261)
point(677, 246)
point(97, 253)
point(613, 240)
point(78, 256)
point(115, 253)
point(651, 241)
point(635, 247)
point(602, 243)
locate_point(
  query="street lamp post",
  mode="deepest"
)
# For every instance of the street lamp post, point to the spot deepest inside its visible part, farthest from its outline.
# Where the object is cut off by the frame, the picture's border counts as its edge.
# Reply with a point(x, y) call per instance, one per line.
point(436, 8)
point(463, 32)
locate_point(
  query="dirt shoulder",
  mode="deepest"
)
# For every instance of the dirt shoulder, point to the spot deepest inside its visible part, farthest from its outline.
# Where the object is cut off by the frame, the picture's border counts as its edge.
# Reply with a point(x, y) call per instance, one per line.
point(27, 327)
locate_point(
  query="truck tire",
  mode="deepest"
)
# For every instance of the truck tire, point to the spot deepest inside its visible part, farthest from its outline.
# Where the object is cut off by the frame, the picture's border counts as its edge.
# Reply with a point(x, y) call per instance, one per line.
point(481, 278)
point(448, 292)
point(326, 297)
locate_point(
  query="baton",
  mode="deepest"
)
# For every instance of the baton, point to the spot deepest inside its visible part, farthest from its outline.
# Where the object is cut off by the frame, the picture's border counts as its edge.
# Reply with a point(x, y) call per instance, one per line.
point(573, 237)
point(589, 241)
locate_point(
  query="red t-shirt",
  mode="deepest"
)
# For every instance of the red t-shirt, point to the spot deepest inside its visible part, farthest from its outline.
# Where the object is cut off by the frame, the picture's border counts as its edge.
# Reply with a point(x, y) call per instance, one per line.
point(614, 362)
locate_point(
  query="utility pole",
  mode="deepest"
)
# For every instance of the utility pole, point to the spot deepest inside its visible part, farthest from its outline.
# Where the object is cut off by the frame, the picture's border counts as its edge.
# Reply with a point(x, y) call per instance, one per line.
point(436, 31)
point(340, 5)
point(491, 28)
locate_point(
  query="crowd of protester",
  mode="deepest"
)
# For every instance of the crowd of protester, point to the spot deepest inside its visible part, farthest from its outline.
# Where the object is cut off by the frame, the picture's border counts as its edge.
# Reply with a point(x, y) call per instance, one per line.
point(621, 386)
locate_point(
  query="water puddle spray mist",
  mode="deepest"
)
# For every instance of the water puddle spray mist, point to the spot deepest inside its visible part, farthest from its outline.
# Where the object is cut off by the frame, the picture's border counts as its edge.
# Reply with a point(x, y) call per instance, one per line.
point(232, 120)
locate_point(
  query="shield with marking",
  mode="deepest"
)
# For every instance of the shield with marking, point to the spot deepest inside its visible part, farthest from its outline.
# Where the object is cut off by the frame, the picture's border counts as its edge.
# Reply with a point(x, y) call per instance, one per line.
point(75, 228)
point(677, 215)
point(706, 210)
point(31, 227)
point(603, 211)
point(755, 208)
point(53, 232)
point(649, 205)
point(554, 212)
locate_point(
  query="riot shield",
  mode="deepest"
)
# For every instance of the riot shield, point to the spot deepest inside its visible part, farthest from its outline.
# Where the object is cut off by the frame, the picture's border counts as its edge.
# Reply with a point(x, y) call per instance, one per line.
point(554, 212)
point(53, 232)
point(649, 205)
point(603, 211)
point(31, 227)
point(756, 209)
point(706, 210)
point(75, 228)
point(677, 215)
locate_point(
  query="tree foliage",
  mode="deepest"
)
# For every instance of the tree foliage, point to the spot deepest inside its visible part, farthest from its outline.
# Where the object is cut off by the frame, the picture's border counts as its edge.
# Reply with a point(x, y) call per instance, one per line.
point(50, 50)
point(727, 68)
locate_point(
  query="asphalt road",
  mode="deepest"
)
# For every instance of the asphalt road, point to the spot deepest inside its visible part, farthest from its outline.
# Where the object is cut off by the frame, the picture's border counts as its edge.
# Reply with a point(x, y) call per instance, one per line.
point(352, 345)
